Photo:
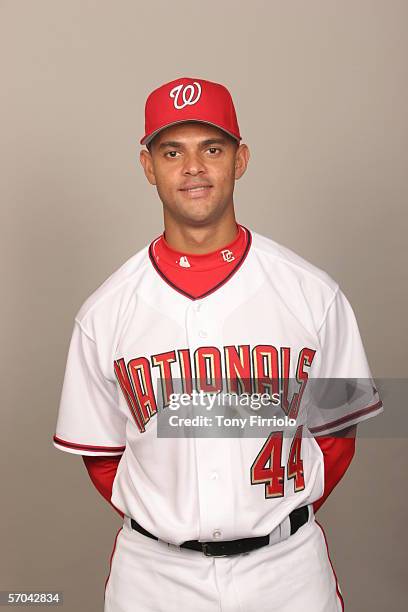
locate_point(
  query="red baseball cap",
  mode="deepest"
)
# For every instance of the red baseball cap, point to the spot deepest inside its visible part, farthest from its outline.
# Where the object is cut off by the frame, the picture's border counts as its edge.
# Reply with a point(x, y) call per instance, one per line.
point(188, 99)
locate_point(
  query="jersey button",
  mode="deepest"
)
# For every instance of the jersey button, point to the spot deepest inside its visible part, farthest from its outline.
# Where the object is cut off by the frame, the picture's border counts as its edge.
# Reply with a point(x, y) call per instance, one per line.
point(202, 333)
point(217, 534)
point(214, 476)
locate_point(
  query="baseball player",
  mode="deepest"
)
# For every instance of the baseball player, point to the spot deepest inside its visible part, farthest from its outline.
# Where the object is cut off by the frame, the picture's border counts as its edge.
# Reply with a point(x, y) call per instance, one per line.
point(212, 309)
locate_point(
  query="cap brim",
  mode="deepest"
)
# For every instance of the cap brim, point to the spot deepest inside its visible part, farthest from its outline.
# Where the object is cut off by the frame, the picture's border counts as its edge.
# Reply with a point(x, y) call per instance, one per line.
point(149, 137)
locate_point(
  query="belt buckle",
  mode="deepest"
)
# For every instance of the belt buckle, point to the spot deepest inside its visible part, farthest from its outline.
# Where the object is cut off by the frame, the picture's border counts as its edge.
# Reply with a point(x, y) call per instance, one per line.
point(206, 552)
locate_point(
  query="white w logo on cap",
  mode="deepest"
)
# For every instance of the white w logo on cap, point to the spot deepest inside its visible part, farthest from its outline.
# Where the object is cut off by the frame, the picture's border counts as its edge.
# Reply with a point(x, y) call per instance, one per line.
point(187, 94)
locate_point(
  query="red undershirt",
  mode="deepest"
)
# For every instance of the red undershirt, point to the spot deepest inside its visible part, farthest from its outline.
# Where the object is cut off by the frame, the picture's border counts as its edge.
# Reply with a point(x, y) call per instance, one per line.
point(196, 276)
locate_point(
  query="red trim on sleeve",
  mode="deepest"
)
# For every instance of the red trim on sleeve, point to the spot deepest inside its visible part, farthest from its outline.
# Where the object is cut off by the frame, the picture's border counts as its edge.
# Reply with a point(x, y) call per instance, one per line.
point(346, 418)
point(89, 447)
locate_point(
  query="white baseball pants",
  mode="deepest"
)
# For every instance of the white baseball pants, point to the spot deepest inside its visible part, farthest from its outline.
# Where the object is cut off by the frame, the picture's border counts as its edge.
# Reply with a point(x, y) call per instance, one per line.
point(287, 576)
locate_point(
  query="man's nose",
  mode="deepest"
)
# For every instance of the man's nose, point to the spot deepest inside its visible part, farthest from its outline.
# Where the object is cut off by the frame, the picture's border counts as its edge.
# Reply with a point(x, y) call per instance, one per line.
point(193, 165)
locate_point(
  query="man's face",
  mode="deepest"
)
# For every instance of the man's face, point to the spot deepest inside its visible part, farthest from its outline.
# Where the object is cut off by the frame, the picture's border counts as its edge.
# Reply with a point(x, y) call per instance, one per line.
point(194, 167)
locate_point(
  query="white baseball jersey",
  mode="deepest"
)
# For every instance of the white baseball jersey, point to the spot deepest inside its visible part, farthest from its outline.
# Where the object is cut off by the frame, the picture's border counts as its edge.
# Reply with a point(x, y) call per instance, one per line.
point(277, 316)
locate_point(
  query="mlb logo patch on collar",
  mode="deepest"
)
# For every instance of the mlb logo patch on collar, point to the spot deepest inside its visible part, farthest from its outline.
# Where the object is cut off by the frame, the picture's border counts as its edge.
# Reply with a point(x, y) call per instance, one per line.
point(225, 255)
point(183, 262)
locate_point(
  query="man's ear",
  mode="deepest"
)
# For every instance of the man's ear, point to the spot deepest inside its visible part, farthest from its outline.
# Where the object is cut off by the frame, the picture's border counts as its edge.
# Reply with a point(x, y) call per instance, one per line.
point(242, 156)
point(147, 163)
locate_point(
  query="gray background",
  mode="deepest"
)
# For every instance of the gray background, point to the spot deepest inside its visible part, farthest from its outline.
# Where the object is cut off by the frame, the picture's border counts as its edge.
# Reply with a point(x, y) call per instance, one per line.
point(321, 94)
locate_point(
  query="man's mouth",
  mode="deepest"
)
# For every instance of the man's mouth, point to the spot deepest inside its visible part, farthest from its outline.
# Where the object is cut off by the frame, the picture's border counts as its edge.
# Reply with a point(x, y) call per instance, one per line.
point(196, 188)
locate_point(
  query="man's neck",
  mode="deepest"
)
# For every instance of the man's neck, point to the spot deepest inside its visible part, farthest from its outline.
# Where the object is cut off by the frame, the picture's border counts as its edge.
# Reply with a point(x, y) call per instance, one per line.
point(200, 239)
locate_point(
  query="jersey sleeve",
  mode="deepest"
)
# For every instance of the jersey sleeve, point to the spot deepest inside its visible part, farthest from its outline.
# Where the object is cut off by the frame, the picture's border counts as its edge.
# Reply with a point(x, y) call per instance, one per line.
point(89, 420)
point(343, 392)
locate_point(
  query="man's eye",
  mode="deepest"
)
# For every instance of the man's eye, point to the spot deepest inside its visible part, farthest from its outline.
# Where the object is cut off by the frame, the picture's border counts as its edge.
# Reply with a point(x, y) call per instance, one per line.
point(171, 154)
point(213, 150)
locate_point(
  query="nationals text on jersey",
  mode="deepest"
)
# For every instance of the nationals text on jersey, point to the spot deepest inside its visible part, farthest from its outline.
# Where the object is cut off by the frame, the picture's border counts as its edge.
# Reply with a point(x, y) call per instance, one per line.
point(244, 370)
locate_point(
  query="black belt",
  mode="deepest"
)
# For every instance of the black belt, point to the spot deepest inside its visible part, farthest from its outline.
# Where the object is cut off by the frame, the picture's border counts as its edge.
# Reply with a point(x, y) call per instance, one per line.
point(297, 517)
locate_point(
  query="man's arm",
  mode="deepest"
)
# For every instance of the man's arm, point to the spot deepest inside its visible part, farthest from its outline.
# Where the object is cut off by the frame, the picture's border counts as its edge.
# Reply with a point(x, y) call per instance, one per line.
point(338, 451)
point(102, 471)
